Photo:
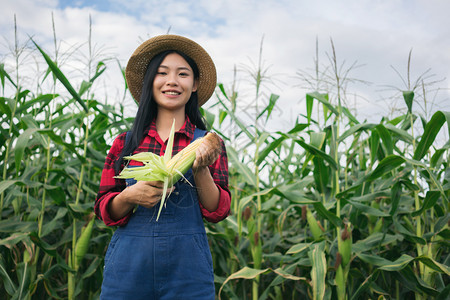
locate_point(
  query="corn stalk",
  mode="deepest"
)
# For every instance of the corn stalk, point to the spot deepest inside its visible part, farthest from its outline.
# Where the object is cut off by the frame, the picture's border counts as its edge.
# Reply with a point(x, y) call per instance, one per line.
point(8, 143)
point(302, 254)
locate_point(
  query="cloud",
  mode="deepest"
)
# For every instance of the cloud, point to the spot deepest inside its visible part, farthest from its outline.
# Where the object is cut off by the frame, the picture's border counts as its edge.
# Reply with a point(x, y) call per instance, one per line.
point(376, 34)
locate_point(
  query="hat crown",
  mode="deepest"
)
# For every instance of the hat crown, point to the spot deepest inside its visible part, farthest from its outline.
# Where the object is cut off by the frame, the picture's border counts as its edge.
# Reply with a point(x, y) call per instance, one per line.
point(139, 60)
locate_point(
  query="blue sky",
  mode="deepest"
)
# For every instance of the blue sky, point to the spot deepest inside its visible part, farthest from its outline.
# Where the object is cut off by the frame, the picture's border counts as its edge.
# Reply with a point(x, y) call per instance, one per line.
point(375, 35)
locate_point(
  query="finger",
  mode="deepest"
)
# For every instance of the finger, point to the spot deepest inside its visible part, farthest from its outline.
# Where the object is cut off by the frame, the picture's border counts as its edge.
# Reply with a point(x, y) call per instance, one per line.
point(150, 199)
point(199, 159)
point(206, 157)
point(213, 141)
point(155, 184)
point(154, 196)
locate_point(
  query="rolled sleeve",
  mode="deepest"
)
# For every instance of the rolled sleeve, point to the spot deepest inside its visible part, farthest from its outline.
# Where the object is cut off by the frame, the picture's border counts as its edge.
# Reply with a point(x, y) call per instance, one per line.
point(104, 211)
point(110, 187)
point(222, 211)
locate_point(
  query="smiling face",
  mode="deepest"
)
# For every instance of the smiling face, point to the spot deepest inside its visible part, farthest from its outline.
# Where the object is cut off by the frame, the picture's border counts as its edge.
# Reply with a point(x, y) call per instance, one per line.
point(174, 83)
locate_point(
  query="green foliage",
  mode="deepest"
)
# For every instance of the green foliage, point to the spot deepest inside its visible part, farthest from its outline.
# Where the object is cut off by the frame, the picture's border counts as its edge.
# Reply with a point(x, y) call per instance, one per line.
point(53, 148)
point(361, 214)
point(332, 208)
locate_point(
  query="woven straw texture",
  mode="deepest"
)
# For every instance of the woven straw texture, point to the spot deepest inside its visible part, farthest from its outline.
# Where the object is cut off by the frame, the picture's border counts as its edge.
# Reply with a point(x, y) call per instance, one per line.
point(137, 65)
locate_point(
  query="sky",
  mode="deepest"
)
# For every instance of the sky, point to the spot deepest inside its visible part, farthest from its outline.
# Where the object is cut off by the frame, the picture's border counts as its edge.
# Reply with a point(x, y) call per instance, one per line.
point(371, 38)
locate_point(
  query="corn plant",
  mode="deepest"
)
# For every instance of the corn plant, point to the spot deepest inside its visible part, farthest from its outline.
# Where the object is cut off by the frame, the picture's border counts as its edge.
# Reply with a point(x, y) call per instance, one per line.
point(349, 209)
point(54, 138)
point(330, 208)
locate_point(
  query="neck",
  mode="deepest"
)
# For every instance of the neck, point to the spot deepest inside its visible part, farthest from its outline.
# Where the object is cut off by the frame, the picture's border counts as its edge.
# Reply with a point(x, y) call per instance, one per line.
point(164, 122)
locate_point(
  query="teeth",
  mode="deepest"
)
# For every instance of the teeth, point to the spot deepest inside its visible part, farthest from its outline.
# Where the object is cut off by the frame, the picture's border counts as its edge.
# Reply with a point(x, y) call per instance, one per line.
point(171, 93)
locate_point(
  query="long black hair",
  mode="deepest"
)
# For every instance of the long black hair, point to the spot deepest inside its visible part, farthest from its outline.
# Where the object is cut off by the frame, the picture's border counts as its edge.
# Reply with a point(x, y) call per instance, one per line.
point(148, 111)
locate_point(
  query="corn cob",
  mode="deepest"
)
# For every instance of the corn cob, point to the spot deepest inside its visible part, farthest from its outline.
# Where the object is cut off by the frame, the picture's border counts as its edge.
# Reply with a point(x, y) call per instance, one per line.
point(378, 226)
point(155, 169)
point(345, 244)
point(82, 243)
point(165, 168)
point(340, 282)
point(313, 225)
point(183, 160)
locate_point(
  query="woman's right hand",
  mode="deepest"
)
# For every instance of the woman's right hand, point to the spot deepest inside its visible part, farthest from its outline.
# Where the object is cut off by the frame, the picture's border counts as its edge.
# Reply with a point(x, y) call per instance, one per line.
point(145, 193)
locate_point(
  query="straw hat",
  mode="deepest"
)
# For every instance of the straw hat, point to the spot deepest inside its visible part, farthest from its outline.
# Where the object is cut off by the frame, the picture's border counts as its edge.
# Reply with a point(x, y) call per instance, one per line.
point(139, 60)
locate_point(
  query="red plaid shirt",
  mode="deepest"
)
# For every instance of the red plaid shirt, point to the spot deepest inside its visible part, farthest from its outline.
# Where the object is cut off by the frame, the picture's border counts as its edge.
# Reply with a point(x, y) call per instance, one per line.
point(111, 187)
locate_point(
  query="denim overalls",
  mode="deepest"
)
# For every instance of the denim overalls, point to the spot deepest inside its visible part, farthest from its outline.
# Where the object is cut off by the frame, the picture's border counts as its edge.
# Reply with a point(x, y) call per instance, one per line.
point(168, 259)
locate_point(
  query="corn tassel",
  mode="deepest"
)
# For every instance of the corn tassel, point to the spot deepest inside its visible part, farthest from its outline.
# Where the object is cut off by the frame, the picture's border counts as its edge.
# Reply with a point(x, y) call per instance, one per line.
point(165, 168)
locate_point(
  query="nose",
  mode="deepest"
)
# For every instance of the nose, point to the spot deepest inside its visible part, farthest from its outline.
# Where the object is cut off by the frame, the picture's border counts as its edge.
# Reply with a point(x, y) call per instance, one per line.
point(172, 79)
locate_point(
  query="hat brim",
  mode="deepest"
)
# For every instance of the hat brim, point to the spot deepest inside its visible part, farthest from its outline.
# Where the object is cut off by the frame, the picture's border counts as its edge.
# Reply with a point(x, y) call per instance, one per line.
point(139, 60)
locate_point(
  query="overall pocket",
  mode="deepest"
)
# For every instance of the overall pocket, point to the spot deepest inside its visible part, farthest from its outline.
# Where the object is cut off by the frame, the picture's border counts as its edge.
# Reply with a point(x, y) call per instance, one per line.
point(201, 242)
point(111, 249)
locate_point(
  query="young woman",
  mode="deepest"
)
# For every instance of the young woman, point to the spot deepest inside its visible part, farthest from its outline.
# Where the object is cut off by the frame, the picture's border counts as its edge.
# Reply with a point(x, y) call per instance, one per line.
point(170, 77)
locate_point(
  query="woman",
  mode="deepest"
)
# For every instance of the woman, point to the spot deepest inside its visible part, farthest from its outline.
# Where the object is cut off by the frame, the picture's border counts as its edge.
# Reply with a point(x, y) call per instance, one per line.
point(170, 77)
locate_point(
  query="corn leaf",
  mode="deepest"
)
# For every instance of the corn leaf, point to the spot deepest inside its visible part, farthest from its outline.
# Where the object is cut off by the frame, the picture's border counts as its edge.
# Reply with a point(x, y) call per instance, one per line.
point(430, 200)
point(8, 284)
point(375, 240)
point(6, 184)
point(408, 96)
point(388, 164)
point(61, 77)
point(242, 168)
point(246, 273)
point(323, 98)
point(386, 138)
point(298, 248)
point(432, 128)
point(21, 144)
point(430, 262)
point(168, 153)
point(371, 211)
point(318, 271)
point(318, 153)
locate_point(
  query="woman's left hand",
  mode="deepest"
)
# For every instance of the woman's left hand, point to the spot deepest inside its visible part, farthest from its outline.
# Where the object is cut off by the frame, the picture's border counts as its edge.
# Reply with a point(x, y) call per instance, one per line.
point(208, 152)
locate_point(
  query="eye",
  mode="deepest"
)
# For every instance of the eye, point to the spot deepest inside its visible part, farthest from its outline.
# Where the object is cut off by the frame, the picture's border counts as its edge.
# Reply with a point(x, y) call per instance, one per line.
point(183, 74)
point(161, 73)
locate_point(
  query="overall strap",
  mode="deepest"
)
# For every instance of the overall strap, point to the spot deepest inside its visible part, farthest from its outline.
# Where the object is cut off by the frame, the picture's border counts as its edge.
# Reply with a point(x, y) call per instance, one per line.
point(127, 138)
point(198, 133)
point(129, 181)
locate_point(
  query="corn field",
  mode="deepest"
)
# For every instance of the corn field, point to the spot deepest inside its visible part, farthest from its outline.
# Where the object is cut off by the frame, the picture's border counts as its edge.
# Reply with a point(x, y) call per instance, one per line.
point(331, 208)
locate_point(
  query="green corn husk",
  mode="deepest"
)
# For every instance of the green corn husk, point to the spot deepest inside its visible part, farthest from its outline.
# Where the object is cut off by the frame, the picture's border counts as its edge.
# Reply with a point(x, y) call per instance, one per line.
point(165, 168)
point(345, 245)
point(83, 242)
point(313, 226)
point(340, 283)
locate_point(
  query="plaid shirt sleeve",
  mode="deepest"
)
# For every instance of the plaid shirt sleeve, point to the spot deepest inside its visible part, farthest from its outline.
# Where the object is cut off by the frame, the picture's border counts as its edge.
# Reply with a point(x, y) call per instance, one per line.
point(219, 172)
point(110, 186)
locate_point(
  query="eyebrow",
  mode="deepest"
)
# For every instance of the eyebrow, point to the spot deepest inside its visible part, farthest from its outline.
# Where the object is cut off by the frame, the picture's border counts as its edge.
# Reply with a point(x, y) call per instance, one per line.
point(179, 68)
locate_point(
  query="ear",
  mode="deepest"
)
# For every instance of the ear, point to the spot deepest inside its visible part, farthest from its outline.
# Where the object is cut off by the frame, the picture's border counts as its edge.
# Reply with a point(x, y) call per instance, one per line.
point(194, 88)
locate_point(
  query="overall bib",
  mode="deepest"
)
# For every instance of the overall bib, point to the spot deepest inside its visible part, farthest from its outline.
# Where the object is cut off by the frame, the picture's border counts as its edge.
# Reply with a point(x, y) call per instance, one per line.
point(168, 259)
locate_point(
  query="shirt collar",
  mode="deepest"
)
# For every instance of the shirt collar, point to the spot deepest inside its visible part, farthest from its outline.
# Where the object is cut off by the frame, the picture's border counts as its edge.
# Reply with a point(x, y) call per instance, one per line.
point(187, 129)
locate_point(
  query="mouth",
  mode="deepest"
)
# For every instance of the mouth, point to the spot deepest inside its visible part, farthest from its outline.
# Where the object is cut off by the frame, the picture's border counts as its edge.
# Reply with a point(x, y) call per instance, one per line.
point(171, 93)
